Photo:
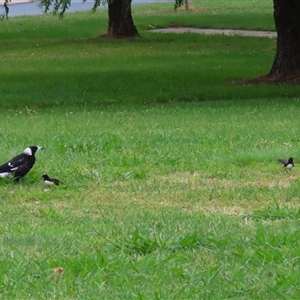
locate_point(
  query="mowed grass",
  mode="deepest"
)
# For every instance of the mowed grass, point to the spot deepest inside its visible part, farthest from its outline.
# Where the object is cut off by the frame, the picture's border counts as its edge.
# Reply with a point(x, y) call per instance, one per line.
point(45, 58)
point(209, 14)
point(161, 198)
point(181, 199)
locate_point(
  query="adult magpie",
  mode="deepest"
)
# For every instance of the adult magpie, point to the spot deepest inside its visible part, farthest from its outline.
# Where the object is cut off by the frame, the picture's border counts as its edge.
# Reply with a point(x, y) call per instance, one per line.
point(50, 181)
point(20, 165)
point(288, 164)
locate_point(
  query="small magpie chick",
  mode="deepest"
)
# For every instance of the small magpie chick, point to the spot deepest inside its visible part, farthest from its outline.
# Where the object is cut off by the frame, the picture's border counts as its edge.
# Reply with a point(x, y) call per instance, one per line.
point(20, 165)
point(288, 164)
point(50, 181)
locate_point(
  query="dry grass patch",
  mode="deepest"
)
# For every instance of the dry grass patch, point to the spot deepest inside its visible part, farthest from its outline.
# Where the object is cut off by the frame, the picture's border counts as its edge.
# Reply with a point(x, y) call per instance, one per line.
point(198, 180)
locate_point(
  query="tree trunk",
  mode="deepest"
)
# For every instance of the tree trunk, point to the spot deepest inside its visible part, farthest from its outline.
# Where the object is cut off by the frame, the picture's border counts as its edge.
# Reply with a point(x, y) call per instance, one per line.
point(120, 23)
point(286, 66)
point(186, 5)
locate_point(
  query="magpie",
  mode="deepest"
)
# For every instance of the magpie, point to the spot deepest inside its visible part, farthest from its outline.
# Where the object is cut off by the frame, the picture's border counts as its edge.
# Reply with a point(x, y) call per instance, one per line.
point(50, 181)
point(20, 165)
point(288, 164)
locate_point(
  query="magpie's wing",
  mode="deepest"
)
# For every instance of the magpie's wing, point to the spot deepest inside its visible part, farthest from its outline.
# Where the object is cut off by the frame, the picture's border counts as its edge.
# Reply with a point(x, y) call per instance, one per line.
point(56, 181)
point(283, 161)
point(14, 164)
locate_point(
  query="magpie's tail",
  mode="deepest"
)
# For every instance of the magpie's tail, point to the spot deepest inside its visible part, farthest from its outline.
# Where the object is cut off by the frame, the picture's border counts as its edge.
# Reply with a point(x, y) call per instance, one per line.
point(283, 161)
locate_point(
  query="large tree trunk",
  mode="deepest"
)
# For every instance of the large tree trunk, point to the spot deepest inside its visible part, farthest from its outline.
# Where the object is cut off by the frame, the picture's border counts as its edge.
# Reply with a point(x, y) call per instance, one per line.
point(120, 23)
point(286, 66)
point(186, 5)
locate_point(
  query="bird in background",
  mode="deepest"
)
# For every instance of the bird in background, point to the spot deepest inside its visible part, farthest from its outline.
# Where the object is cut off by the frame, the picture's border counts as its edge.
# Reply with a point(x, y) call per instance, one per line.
point(50, 181)
point(20, 165)
point(288, 164)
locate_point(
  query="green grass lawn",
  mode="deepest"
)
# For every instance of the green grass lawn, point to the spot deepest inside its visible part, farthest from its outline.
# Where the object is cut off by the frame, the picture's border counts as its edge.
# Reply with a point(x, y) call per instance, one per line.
point(167, 193)
point(181, 199)
point(46, 58)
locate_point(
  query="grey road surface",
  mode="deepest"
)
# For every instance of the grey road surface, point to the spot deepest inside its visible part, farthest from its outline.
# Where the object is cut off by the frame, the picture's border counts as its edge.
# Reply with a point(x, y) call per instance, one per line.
point(31, 8)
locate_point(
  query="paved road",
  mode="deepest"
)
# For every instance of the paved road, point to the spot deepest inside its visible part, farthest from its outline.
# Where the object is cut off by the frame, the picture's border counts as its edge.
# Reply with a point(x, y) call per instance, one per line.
point(255, 33)
point(31, 8)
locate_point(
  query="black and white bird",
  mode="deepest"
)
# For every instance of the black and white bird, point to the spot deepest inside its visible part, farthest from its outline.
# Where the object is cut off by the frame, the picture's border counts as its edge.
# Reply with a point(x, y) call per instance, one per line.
point(288, 164)
point(20, 165)
point(50, 181)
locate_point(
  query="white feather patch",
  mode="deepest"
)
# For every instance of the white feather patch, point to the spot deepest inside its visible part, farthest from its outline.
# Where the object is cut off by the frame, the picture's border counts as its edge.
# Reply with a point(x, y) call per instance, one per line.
point(48, 182)
point(28, 151)
point(6, 174)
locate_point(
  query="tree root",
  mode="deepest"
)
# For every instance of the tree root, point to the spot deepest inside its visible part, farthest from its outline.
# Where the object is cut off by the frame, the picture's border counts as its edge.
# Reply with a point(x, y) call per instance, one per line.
point(275, 79)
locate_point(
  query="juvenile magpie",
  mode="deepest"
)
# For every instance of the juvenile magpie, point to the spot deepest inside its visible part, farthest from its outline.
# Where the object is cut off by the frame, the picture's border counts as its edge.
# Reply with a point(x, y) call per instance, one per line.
point(288, 164)
point(50, 181)
point(20, 165)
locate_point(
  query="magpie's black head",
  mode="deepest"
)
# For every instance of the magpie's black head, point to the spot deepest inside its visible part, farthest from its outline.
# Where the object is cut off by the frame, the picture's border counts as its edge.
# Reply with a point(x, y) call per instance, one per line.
point(30, 151)
point(290, 161)
point(45, 177)
point(50, 181)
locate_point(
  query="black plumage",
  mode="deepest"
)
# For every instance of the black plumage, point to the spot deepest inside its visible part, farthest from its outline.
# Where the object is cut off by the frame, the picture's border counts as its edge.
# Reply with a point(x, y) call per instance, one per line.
point(50, 181)
point(288, 164)
point(20, 165)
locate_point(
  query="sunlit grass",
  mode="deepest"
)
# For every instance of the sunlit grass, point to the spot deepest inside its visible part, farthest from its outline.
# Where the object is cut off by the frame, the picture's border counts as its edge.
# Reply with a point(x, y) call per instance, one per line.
point(154, 197)
point(208, 14)
point(161, 199)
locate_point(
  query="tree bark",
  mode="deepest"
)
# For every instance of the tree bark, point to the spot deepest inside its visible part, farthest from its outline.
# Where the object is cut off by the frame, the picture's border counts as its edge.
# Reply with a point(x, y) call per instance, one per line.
point(186, 5)
point(286, 66)
point(120, 23)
